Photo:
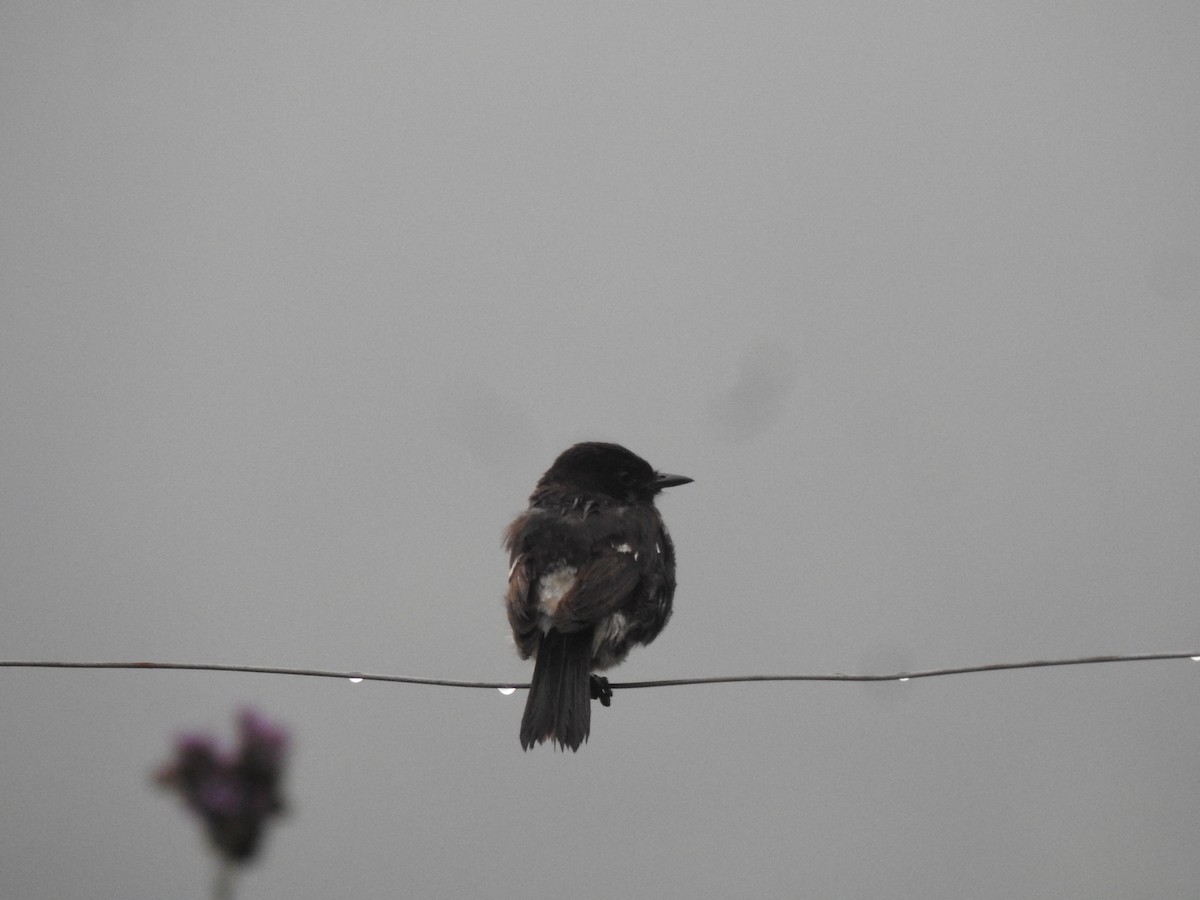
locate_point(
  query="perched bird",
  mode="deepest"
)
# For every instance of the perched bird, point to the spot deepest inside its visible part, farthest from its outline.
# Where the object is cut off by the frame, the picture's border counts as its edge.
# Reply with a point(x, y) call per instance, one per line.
point(593, 574)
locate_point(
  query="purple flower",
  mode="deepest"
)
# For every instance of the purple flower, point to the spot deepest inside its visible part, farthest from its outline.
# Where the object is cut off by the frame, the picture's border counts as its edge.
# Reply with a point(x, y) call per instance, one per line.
point(233, 792)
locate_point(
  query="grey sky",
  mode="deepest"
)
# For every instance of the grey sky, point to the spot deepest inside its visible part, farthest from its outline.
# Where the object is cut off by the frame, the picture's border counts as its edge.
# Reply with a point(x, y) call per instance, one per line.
point(299, 300)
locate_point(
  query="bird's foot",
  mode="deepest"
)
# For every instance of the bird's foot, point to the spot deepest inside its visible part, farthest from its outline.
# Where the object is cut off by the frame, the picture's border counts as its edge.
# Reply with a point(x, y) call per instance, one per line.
point(601, 691)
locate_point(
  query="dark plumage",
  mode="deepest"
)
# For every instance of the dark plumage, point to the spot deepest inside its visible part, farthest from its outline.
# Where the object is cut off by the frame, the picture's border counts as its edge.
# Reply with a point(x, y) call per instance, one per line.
point(593, 574)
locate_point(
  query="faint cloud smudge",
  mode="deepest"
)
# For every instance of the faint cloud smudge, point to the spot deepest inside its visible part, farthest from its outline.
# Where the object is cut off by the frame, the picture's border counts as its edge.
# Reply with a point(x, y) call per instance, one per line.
point(1174, 274)
point(496, 432)
point(766, 374)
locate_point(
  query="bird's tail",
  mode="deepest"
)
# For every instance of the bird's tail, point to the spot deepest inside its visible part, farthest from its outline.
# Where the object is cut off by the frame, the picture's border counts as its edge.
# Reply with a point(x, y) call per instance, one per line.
point(559, 706)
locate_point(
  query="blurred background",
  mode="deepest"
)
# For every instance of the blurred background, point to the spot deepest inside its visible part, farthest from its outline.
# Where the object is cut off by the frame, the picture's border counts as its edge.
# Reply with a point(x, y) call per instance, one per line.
point(299, 300)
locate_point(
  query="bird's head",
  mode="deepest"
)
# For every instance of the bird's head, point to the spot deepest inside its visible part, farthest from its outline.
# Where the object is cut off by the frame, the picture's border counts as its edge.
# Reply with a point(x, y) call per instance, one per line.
point(608, 471)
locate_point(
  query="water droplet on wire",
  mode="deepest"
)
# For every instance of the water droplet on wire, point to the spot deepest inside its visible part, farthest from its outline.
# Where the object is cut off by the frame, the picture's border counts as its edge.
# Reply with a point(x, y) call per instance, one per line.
point(356, 678)
point(506, 690)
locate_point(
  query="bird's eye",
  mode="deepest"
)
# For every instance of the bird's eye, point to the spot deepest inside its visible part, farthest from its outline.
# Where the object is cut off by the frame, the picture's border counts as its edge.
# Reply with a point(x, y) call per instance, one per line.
point(625, 477)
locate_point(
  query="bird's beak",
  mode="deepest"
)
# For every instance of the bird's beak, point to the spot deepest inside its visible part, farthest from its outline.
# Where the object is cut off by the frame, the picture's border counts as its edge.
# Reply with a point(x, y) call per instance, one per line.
point(663, 480)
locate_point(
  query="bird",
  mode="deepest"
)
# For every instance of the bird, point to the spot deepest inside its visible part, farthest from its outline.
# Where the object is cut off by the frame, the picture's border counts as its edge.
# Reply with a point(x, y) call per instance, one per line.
point(591, 575)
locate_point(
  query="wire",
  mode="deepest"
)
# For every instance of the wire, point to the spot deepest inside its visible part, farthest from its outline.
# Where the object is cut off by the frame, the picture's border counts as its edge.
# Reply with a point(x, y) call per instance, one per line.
point(670, 682)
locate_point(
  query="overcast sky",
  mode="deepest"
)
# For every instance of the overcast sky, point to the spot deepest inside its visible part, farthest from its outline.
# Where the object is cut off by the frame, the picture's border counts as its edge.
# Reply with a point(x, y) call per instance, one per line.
point(297, 300)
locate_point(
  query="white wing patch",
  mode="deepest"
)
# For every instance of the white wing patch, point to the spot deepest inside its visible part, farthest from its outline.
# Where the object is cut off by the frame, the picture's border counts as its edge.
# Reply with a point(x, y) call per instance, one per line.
point(553, 586)
point(611, 631)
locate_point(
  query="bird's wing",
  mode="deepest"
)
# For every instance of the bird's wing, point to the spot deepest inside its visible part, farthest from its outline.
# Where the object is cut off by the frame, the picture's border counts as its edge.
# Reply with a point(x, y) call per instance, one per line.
point(522, 606)
point(603, 586)
point(520, 601)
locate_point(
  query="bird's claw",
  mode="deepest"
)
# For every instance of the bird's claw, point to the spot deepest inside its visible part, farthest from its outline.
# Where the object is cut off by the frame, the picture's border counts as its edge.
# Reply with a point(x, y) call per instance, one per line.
point(601, 691)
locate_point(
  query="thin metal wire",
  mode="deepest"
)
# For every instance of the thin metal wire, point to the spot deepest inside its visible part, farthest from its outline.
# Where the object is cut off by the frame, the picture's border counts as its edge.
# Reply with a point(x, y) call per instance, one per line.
point(670, 682)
